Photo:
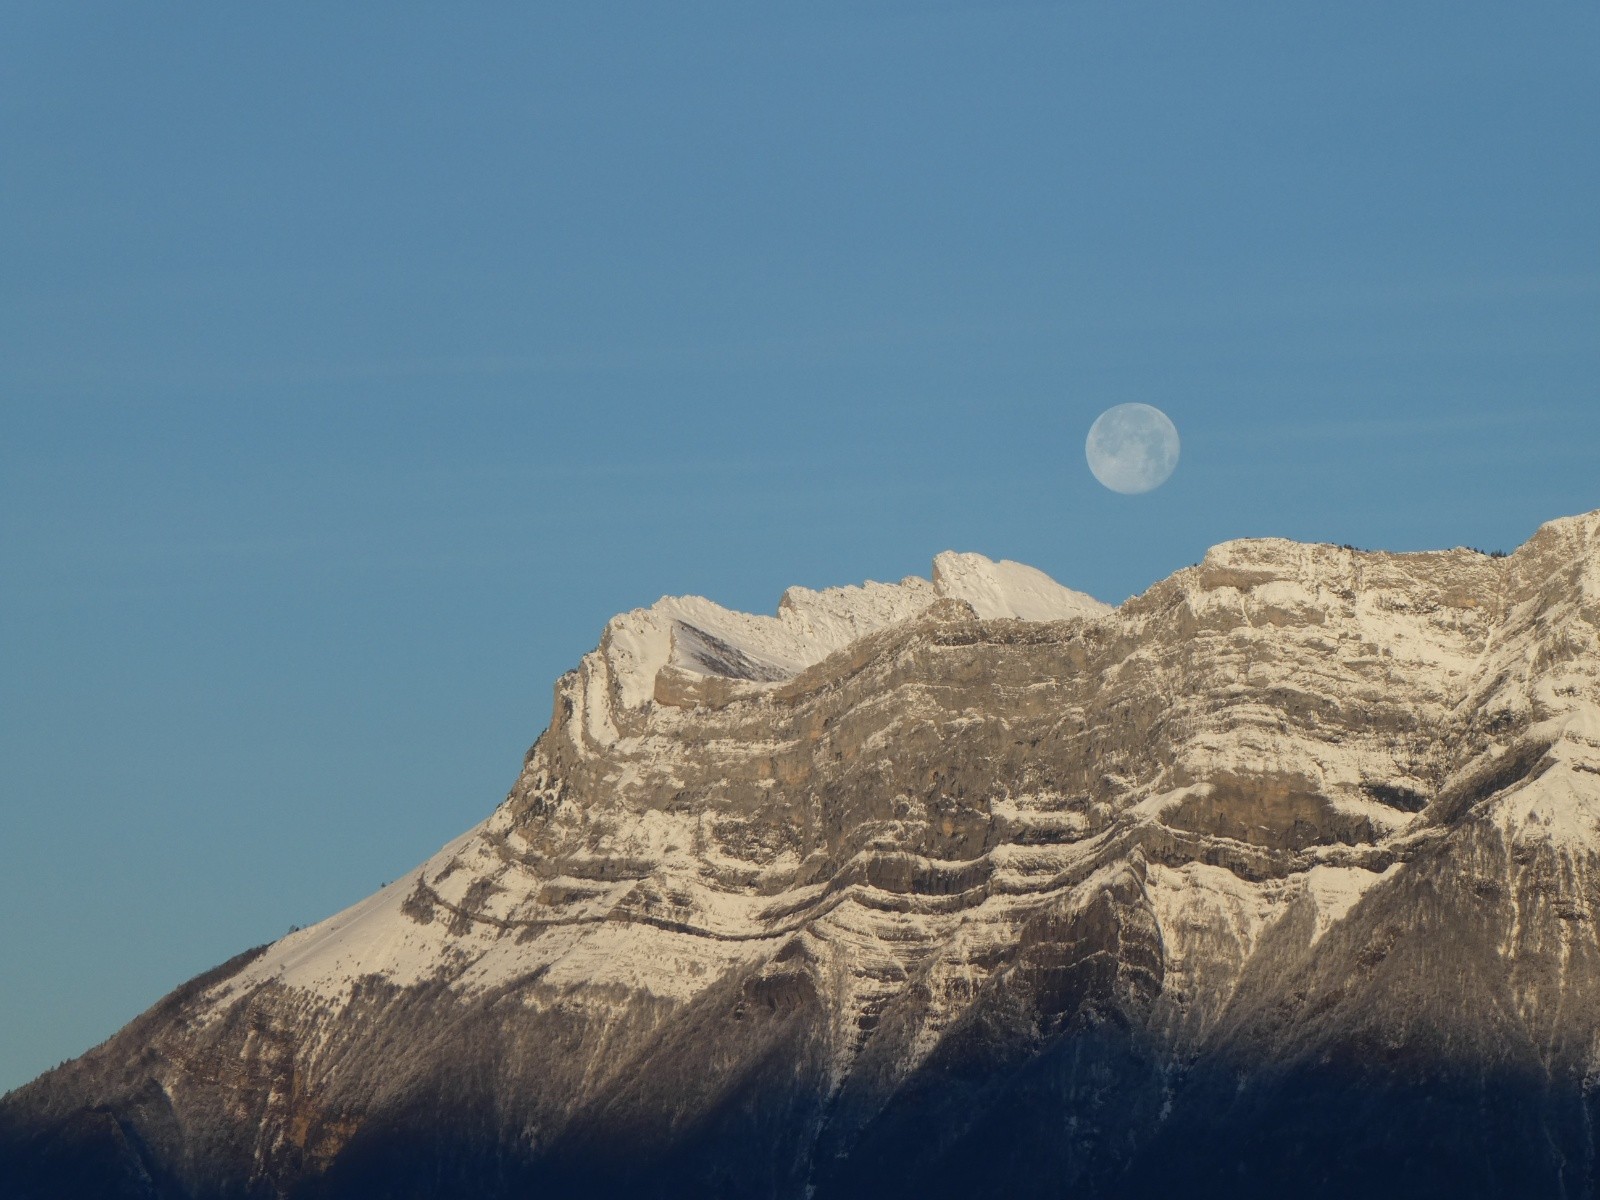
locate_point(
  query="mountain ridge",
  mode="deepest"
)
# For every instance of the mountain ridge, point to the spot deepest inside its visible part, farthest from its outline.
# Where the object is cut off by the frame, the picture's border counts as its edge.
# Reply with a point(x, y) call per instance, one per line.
point(1280, 874)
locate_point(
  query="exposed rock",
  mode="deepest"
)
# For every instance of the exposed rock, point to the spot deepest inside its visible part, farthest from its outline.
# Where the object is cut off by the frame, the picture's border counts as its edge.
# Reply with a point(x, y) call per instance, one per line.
point(1279, 879)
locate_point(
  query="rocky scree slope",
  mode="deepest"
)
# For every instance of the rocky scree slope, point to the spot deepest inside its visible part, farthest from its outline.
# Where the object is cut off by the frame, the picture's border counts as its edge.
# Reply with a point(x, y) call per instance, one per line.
point(1278, 879)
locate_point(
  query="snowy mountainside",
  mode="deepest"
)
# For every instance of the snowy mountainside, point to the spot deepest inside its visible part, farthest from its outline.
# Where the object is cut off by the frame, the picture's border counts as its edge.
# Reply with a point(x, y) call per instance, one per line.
point(1278, 879)
point(378, 937)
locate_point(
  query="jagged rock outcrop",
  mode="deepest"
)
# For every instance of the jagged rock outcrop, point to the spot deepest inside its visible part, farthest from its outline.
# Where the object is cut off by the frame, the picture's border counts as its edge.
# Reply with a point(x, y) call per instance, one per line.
point(1281, 878)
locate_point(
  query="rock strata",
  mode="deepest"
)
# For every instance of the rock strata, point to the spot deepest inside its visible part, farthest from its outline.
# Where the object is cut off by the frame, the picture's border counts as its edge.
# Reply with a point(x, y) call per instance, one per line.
point(1279, 879)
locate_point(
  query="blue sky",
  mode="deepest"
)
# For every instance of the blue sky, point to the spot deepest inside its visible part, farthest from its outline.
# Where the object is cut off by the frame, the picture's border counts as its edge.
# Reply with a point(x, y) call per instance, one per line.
point(355, 369)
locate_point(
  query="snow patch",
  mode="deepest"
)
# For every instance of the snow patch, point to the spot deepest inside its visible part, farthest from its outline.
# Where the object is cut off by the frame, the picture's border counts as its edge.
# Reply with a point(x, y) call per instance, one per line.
point(1008, 589)
point(1335, 890)
point(372, 937)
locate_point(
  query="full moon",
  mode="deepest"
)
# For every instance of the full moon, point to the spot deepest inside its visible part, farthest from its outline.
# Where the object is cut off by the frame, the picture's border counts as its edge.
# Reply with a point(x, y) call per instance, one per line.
point(1132, 448)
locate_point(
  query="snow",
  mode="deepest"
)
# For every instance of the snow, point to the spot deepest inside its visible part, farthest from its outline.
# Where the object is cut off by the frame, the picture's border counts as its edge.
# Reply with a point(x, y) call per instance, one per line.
point(1561, 808)
point(1301, 623)
point(1009, 589)
point(1335, 890)
point(371, 937)
point(698, 635)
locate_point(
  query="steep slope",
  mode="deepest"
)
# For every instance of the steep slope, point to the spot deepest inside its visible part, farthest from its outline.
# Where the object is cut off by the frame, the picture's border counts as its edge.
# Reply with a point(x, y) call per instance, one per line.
point(1279, 878)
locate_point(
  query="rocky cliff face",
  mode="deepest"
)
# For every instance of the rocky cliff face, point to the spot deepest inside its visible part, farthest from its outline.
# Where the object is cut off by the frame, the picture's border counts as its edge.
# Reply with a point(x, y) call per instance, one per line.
point(1280, 879)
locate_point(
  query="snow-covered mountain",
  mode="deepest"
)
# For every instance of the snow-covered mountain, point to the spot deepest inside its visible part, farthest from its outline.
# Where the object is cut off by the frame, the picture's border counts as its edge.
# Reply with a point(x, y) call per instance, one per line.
point(1279, 879)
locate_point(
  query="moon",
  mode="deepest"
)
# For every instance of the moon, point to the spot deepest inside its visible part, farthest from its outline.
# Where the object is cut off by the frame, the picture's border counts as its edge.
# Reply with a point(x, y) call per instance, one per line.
point(1132, 448)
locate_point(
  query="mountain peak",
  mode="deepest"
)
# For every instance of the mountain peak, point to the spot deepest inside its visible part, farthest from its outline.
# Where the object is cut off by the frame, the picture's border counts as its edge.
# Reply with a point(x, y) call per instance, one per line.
point(695, 636)
point(1286, 870)
point(1009, 590)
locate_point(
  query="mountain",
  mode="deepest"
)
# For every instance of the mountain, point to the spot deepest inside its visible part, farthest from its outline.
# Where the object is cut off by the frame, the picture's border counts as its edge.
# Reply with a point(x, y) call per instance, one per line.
point(1280, 879)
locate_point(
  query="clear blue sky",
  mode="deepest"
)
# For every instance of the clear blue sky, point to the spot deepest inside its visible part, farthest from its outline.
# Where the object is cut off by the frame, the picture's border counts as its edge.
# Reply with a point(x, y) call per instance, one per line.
point(357, 363)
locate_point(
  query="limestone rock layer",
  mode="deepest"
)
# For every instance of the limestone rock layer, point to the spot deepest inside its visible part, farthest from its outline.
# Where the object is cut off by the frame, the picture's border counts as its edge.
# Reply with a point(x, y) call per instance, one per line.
point(1279, 879)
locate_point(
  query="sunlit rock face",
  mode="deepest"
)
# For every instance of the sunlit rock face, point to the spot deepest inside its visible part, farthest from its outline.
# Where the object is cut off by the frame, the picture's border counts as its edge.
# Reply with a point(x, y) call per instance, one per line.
point(1278, 880)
